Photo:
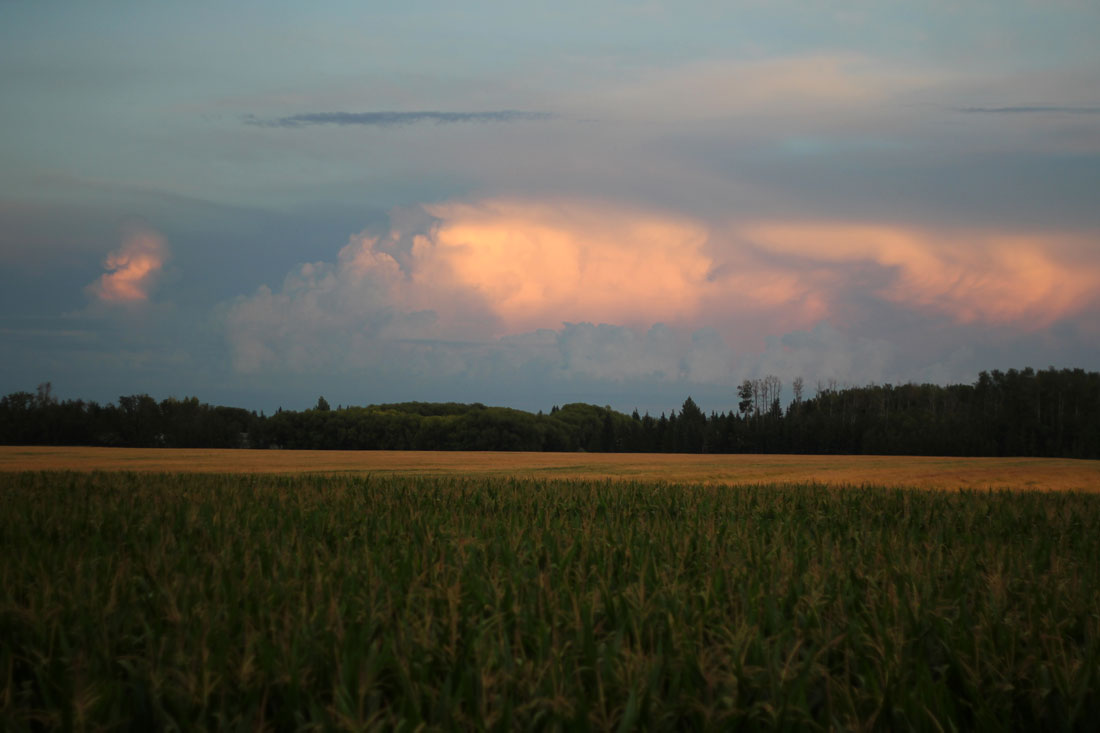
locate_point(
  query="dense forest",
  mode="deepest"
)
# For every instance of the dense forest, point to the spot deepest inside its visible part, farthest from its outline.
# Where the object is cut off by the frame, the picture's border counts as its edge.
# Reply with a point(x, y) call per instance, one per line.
point(1015, 413)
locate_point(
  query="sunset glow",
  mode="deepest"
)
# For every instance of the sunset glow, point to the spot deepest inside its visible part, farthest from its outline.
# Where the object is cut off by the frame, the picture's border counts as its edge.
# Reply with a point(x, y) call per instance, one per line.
point(970, 276)
point(621, 201)
point(538, 265)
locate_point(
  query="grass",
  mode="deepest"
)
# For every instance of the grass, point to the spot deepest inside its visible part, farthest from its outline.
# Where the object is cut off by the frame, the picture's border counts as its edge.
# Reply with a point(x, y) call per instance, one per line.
point(143, 600)
point(1046, 474)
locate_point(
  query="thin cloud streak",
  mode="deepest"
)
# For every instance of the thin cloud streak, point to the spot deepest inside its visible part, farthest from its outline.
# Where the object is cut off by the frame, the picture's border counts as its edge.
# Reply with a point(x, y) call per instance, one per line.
point(397, 119)
point(1031, 109)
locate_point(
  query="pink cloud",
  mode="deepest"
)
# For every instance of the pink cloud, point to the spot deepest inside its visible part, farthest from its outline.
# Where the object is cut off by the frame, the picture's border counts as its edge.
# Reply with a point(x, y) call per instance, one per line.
point(132, 269)
point(1027, 280)
point(484, 270)
point(539, 264)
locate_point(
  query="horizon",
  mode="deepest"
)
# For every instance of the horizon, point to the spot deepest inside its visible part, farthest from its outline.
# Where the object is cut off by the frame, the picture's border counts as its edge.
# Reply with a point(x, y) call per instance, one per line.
point(785, 395)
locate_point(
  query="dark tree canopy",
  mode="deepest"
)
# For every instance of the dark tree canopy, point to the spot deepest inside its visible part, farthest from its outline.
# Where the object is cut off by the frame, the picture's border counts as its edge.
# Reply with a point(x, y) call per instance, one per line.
point(1013, 413)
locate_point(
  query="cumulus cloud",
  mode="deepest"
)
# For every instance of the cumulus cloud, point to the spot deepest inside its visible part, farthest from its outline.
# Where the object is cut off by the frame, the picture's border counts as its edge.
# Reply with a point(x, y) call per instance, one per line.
point(396, 119)
point(540, 264)
point(132, 269)
point(565, 288)
point(477, 271)
point(325, 314)
point(561, 288)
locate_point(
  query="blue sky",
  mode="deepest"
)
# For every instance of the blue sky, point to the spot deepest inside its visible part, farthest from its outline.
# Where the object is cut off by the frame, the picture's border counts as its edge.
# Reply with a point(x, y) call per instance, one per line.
point(535, 203)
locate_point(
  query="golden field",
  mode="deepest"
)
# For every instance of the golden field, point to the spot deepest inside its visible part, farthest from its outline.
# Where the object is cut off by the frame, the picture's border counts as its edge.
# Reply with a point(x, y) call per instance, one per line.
point(1045, 474)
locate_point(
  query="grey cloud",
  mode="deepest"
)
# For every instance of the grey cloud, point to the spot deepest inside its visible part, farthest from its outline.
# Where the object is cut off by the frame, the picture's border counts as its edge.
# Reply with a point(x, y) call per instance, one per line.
point(828, 353)
point(900, 350)
point(607, 351)
point(396, 119)
point(1032, 108)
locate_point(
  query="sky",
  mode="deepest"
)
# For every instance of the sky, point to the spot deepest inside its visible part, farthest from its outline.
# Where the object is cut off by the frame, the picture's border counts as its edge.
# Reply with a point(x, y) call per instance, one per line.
point(530, 204)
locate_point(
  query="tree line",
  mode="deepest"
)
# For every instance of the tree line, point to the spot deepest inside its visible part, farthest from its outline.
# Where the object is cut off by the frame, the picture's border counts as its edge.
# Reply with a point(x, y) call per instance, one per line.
point(1024, 412)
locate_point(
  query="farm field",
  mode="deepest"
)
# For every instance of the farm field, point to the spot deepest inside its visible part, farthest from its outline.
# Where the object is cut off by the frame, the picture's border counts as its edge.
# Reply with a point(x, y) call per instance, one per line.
point(893, 471)
point(348, 601)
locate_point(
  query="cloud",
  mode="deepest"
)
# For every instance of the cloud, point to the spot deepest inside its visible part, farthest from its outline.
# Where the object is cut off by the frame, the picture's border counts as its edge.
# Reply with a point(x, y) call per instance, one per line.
point(132, 269)
point(538, 264)
point(826, 353)
point(1029, 280)
point(498, 280)
point(566, 288)
point(1030, 109)
point(660, 353)
point(324, 314)
point(396, 119)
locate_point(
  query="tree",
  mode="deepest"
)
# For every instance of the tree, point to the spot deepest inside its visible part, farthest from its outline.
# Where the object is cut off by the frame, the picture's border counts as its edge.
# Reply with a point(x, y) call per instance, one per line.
point(608, 442)
point(692, 427)
point(691, 412)
point(322, 405)
point(745, 393)
point(45, 396)
point(772, 389)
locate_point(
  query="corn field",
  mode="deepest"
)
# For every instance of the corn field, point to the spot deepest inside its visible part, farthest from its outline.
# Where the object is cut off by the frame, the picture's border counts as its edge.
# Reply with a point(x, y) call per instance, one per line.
point(184, 601)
